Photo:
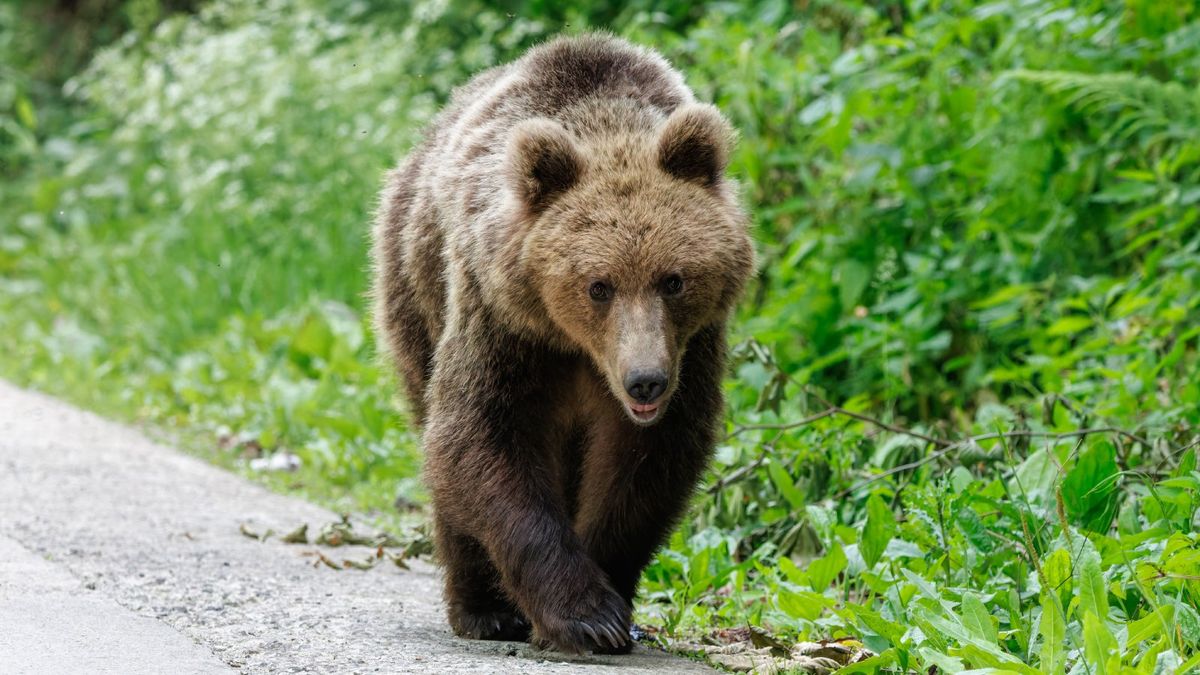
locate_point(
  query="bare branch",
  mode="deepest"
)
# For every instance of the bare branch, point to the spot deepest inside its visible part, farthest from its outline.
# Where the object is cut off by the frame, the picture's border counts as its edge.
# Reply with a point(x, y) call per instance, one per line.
point(781, 427)
point(837, 410)
point(1189, 446)
point(1059, 435)
point(737, 475)
point(945, 446)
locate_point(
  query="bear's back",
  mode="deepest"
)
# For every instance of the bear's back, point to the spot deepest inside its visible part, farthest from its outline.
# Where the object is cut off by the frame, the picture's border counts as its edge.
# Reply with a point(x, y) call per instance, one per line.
point(564, 72)
point(548, 81)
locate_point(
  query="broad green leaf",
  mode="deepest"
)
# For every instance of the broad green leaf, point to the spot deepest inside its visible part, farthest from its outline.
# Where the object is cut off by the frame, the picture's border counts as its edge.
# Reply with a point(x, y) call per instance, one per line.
point(783, 482)
point(927, 589)
point(1125, 193)
point(852, 277)
point(1098, 643)
point(1089, 488)
point(996, 664)
point(944, 662)
point(1057, 568)
point(1053, 631)
point(1184, 563)
point(1188, 620)
point(977, 651)
point(977, 619)
point(975, 531)
point(823, 570)
point(1037, 475)
point(1187, 464)
point(1189, 666)
point(314, 339)
point(872, 665)
point(1093, 592)
point(1157, 622)
point(1001, 296)
point(25, 113)
point(899, 548)
point(888, 630)
point(1069, 325)
point(802, 604)
point(791, 572)
point(878, 531)
point(822, 521)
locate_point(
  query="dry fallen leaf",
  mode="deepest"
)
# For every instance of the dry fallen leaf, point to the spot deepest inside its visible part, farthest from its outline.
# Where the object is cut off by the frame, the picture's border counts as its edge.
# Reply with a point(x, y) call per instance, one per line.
point(297, 536)
point(322, 558)
point(758, 652)
point(762, 639)
point(365, 564)
point(247, 532)
point(342, 533)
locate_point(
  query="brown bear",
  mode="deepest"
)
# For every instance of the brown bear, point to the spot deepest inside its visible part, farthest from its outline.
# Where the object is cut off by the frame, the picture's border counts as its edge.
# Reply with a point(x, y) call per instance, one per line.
point(554, 267)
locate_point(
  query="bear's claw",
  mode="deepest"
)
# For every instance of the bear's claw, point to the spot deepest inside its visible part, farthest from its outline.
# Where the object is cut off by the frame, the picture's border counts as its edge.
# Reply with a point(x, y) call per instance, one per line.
point(499, 625)
point(605, 630)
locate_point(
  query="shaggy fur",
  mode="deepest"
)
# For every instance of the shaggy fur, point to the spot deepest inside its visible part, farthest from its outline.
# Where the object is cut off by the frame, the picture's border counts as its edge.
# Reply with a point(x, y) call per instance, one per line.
point(565, 226)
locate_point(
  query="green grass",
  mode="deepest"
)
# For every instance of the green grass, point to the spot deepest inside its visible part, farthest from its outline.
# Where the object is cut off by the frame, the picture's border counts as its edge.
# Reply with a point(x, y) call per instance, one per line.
point(979, 224)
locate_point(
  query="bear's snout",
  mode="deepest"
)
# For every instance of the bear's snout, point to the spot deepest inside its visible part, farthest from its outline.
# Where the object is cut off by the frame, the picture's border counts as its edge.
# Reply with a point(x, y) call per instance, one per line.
point(646, 386)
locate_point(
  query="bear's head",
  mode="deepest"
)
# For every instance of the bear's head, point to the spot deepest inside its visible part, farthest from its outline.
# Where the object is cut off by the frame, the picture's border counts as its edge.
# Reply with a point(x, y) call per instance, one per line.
point(634, 242)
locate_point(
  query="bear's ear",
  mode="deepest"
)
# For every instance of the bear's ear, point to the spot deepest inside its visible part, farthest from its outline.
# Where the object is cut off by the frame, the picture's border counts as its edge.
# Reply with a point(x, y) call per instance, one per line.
point(694, 144)
point(543, 162)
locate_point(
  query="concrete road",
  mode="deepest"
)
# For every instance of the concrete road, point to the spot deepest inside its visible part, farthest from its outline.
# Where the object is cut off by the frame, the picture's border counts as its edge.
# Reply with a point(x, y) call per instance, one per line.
point(119, 555)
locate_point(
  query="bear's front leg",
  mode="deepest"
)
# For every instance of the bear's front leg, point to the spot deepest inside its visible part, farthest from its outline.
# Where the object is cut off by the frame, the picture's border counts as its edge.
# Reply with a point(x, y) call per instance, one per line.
point(637, 481)
point(492, 481)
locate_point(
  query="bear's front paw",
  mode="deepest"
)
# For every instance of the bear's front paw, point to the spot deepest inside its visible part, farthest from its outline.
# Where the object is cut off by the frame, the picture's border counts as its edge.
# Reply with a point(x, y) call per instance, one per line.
point(494, 625)
point(597, 620)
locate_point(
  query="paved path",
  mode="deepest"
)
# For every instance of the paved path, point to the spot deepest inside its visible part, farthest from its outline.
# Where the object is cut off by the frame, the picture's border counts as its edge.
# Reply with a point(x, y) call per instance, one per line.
point(119, 555)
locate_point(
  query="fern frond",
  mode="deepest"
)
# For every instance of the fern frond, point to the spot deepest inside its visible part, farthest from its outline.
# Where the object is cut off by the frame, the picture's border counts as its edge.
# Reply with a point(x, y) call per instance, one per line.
point(1140, 103)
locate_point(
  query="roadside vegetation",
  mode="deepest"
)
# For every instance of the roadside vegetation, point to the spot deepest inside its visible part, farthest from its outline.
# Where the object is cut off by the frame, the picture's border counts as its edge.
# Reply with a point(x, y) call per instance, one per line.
point(964, 407)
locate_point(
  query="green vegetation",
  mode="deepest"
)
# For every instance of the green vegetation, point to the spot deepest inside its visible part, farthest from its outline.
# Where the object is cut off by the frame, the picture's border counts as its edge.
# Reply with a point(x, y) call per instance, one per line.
point(978, 232)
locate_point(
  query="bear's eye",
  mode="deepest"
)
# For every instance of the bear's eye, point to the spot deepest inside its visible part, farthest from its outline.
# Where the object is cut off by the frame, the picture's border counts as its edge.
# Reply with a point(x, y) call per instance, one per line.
point(600, 291)
point(672, 285)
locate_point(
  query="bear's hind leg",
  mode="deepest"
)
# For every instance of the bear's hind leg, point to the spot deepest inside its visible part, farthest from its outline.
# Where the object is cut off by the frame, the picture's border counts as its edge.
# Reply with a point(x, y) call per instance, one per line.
point(475, 605)
point(410, 344)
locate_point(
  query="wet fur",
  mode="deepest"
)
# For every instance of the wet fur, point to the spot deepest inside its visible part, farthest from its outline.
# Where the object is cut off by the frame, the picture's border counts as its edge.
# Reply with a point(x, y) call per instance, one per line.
point(548, 501)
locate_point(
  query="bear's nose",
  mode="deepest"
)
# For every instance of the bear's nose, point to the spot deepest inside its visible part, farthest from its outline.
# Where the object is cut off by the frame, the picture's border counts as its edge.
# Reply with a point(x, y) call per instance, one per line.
point(645, 386)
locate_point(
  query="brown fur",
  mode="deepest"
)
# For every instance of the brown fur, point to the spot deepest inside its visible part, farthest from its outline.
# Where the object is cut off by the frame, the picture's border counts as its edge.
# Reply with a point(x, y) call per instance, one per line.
point(585, 165)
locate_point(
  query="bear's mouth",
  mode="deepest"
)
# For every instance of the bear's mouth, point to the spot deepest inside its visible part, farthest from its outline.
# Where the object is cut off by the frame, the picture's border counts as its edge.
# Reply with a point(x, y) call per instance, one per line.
point(643, 413)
